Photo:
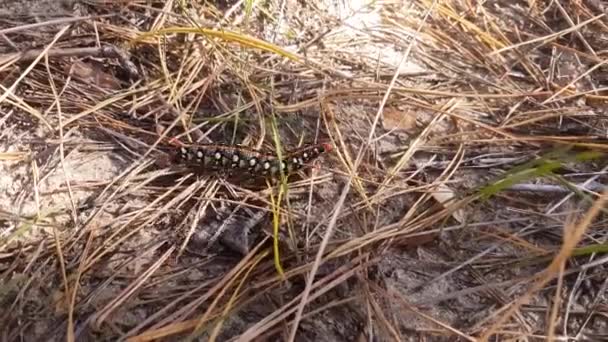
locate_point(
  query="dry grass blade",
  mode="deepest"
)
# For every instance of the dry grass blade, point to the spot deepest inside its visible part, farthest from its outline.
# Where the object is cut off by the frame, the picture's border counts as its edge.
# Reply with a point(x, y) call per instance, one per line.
point(226, 35)
point(572, 236)
point(323, 285)
point(550, 37)
point(462, 137)
point(103, 314)
point(9, 92)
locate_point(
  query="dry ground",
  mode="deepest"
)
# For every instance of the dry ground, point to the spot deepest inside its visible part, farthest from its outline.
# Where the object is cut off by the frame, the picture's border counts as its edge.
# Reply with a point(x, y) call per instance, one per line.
point(462, 199)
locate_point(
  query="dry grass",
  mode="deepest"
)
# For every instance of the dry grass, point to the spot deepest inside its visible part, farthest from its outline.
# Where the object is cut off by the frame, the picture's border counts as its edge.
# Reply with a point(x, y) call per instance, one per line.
point(464, 198)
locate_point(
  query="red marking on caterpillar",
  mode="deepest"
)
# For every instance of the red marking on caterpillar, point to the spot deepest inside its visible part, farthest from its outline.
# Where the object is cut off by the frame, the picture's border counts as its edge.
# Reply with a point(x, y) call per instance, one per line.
point(175, 142)
point(327, 147)
point(241, 160)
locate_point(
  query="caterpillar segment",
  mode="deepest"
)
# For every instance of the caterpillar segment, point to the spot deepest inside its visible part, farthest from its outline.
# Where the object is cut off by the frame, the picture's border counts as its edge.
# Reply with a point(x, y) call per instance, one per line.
point(242, 160)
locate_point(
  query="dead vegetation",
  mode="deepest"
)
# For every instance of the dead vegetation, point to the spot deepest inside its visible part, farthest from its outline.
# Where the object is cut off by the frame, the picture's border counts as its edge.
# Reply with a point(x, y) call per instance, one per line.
point(462, 201)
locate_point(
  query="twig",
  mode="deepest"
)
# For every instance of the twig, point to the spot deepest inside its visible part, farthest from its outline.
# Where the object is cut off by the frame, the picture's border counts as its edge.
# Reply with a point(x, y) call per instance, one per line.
point(53, 22)
point(594, 186)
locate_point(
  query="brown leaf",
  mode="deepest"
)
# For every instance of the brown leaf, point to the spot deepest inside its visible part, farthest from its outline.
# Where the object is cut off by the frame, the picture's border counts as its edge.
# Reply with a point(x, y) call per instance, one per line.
point(61, 302)
point(397, 119)
point(93, 74)
point(597, 101)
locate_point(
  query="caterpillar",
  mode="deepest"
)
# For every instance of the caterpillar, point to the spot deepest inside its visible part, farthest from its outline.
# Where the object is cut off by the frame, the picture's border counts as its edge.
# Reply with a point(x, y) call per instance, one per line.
point(241, 160)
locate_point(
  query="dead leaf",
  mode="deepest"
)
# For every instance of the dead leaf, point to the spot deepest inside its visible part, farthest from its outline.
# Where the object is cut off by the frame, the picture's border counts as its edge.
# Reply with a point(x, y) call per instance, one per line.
point(12, 156)
point(397, 119)
point(413, 242)
point(597, 101)
point(61, 302)
point(90, 73)
point(445, 195)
